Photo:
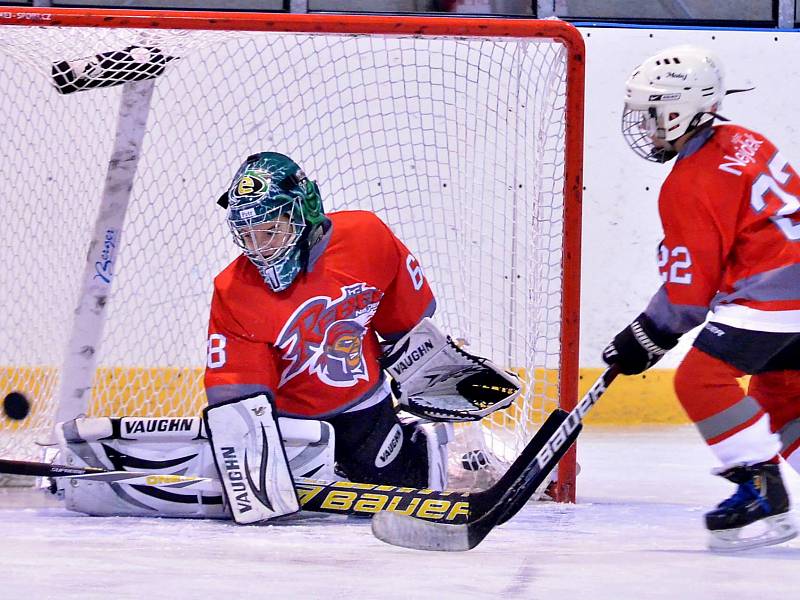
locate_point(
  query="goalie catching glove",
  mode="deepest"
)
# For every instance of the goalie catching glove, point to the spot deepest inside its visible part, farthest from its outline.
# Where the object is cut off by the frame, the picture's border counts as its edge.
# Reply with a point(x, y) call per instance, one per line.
point(436, 380)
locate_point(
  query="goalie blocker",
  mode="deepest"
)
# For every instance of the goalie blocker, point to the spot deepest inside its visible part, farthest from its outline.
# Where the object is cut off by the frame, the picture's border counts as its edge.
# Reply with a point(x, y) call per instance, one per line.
point(435, 379)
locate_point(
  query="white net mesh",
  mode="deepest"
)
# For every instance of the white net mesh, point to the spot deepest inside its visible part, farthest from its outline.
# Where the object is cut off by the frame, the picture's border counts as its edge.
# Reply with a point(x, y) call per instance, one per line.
point(458, 144)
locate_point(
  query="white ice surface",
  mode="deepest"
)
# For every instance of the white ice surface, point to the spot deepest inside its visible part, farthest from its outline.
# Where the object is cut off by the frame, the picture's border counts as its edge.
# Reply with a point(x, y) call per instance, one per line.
point(635, 533)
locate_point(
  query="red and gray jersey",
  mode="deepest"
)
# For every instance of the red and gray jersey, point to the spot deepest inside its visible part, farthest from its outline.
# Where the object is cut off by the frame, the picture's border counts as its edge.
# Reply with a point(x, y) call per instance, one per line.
point(730, 209)
point(314, 347)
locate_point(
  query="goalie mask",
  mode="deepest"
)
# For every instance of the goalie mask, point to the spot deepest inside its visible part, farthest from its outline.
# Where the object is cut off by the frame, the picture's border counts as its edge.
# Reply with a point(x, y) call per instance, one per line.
point(275, 215)
point(672, 93)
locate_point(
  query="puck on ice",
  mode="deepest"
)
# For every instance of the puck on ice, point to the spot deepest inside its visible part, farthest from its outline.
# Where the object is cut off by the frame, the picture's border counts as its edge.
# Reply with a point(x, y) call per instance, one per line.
point(16, 406)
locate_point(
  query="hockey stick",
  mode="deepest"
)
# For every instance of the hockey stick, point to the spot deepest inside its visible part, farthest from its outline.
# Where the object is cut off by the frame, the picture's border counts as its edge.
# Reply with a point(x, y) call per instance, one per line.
point(338, 497)
point(36, 469)
point(403, 530)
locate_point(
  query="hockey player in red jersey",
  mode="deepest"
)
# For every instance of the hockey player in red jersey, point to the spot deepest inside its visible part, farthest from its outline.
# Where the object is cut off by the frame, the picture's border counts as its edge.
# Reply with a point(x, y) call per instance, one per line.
point(299, 326)
point(730, 210)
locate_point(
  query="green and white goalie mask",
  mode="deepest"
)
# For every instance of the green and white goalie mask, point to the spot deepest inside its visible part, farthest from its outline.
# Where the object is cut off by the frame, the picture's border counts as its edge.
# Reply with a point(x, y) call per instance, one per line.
point(274, 212)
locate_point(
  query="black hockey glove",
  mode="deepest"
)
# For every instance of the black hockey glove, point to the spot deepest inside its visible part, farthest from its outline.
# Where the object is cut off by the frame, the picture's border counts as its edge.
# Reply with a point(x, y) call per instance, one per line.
point(639, 346)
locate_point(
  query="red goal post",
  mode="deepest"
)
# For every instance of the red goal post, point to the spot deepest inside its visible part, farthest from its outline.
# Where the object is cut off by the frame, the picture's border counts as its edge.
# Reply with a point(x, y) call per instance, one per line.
point(405, 107)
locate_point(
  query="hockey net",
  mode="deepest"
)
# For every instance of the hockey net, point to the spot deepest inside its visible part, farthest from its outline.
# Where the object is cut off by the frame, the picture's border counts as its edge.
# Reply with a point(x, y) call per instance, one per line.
point(464, 135)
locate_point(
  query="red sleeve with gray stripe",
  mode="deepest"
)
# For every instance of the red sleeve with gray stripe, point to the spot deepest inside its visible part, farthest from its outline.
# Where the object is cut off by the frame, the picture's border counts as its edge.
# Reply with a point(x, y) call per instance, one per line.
point(238, 364)
point(731, 219)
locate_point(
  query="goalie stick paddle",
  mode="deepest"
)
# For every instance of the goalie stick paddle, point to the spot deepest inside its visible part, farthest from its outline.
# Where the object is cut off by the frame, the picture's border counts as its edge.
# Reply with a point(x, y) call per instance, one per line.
point(524, 476)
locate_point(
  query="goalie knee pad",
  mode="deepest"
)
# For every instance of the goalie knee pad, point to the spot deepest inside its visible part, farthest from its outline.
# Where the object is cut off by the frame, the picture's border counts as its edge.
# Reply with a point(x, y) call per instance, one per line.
point(374, 446)
point(251, 461)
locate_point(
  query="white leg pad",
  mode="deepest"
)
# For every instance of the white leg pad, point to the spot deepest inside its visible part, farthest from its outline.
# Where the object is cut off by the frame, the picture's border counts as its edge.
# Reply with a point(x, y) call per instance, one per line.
point(160, 446)
point(166, 445)
point(251, 460)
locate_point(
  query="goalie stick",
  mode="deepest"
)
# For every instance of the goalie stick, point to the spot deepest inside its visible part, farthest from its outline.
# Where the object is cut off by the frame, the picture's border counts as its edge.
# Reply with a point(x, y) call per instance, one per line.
point(339, 497)
point(36, 469)
point(521, 480)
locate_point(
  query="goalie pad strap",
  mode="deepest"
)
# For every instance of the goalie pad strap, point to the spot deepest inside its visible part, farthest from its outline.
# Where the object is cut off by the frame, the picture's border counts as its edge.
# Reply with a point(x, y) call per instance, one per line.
point(250, 458)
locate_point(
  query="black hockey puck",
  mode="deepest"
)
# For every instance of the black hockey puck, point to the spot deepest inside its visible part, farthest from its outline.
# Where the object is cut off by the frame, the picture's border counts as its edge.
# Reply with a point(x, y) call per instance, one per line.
point(474, 460)
point(16, 406)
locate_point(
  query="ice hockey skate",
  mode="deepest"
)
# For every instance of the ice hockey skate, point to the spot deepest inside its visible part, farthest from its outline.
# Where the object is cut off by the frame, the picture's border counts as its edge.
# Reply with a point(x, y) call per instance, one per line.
point(756, 515)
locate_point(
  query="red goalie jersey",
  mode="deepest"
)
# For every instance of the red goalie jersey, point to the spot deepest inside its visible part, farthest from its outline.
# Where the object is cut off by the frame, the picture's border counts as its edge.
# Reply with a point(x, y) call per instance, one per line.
point(314, 346)
point(731, 218)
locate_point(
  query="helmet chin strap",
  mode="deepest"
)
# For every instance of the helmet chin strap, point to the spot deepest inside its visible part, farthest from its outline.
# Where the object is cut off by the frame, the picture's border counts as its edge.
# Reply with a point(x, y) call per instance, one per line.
point(664, 153)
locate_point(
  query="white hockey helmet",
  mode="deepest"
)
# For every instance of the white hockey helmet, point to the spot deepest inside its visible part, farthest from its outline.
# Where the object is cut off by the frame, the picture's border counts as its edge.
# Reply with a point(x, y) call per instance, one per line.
point(669, 94)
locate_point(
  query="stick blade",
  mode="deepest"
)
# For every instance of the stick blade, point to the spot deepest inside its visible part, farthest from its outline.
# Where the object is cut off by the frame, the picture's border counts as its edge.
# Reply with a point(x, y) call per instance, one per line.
point(405, 531)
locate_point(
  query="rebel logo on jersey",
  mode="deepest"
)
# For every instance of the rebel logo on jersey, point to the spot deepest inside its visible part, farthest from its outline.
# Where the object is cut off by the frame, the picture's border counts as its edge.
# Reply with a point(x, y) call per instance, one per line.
point(324, 336)
point(343, 355)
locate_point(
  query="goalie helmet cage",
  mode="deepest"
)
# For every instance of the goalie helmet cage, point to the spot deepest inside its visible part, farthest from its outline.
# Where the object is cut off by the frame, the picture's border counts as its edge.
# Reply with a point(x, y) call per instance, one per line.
point(123, 127)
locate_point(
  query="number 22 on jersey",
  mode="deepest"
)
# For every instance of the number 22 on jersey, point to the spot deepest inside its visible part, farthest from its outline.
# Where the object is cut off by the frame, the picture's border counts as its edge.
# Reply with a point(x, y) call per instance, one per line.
point(679, 270)
point(773, 182)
